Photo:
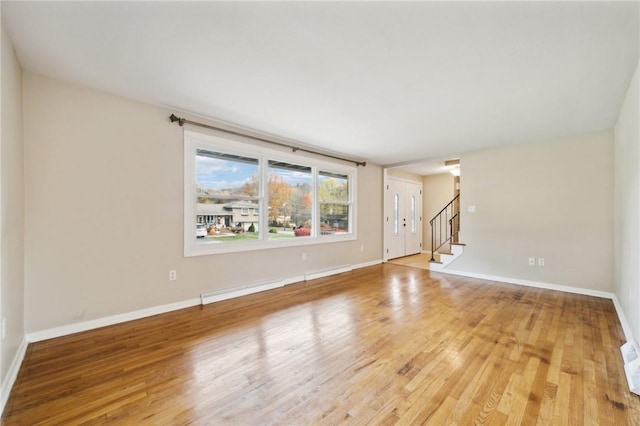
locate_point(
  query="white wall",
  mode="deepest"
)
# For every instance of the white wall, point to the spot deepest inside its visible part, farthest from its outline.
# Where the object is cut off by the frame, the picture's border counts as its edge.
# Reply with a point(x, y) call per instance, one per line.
point(627, 206)
point(549, 199)
point(104, 213)
point(12, 207)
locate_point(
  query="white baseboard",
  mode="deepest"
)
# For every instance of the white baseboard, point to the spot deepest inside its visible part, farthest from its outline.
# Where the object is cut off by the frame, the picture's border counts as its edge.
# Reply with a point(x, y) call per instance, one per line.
point(626, 327)
point(527, 283)
point(365, 264)
point(111, 320)
point(219, 296)
point(255, 288)
point(327, 272)
point(630, 349)
point(12, 374)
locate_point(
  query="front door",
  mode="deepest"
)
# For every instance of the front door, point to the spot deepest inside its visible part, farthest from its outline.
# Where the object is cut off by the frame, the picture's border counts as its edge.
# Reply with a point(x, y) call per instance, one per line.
point(402, 218)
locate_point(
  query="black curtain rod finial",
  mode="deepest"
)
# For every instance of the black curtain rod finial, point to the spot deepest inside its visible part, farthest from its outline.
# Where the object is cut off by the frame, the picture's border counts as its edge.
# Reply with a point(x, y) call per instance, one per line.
point(175, 118)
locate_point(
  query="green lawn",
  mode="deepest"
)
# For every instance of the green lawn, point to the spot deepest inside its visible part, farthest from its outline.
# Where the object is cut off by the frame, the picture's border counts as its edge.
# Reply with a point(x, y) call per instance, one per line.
point(245, 236)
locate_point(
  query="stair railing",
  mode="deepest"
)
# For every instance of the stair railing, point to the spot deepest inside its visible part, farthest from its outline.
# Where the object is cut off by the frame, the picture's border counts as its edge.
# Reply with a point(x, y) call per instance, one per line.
point(441, 235)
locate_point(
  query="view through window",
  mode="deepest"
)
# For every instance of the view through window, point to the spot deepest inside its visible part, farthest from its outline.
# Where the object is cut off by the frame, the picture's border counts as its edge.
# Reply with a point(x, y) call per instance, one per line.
point(246, 199)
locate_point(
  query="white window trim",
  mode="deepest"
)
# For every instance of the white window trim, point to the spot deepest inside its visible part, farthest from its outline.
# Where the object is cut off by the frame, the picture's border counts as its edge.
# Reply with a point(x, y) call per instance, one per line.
point(194, 140)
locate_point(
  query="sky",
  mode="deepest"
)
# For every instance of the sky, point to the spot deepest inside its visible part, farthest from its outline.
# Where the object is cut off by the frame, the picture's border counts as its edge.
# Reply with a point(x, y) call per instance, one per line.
point(219, 174)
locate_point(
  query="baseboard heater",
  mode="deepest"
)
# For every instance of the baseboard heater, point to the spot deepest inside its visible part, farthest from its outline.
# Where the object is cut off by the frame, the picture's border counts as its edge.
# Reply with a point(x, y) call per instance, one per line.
point(631, 359)
point(326, 272)
point(216, 296)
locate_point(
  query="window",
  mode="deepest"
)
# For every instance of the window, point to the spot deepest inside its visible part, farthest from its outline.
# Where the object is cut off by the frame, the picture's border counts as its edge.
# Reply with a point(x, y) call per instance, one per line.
point(252, 198)
point(396, 214)
point(290, 195)
point(413, 214)
point(335, 205)
point(225, 188)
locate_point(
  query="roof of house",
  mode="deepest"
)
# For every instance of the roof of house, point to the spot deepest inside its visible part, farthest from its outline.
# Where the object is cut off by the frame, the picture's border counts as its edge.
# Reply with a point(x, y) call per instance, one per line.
point(223, 209)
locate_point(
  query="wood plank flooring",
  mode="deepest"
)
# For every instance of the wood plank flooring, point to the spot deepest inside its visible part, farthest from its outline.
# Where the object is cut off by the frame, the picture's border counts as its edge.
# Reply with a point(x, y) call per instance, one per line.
point(387, 344)
point(416, 260)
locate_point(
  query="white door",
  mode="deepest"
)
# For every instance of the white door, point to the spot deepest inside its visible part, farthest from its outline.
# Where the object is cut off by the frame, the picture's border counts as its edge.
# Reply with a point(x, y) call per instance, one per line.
point(402, 218)
point(393, 217)
point(413, 216)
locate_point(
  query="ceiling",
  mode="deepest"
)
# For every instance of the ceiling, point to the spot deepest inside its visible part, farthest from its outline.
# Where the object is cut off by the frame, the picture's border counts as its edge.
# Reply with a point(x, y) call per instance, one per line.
point(387, 82)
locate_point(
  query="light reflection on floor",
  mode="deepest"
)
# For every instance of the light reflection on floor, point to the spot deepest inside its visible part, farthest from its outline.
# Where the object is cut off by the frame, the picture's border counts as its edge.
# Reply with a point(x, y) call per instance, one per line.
point(309, 331)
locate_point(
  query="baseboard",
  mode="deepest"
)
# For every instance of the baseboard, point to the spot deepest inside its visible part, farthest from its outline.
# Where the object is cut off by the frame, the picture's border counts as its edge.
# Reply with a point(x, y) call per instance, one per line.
point(527, 283)
point(256, 288)
point(219, 296)
point(327, 272)
point(626, 327)
point(366, 264)
point(12, 373)
point(106, 321)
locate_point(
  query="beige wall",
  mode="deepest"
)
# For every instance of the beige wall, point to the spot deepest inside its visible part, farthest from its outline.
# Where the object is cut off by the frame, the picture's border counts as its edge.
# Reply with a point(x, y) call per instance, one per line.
point(550, 199)
point(438, 191)
point(104, 213)
point(401, 174)
point(12, 205)
point(627, 206)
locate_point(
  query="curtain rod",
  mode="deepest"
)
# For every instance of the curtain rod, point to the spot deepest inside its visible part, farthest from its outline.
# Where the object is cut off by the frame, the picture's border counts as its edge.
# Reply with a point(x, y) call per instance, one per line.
point(182, 121)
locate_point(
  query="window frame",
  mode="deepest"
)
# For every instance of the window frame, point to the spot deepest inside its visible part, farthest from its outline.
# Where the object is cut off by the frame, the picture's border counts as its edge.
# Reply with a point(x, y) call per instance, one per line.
point(197, 140)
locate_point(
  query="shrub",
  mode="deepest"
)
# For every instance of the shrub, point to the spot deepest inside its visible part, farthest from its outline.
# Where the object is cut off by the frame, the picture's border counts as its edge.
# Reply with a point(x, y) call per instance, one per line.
point(302, 232)
point(251, 228)
point(273, 231)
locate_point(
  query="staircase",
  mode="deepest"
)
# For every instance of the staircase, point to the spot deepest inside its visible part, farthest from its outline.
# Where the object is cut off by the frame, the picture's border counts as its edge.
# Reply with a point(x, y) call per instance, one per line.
point(445, 227)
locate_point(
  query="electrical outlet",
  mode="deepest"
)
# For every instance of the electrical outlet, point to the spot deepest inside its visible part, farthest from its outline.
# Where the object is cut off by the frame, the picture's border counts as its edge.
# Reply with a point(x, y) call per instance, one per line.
point(532, 261)
point(472, 209)
point(541, 261)
point(304, 256)
point(173, 275)
point(361, 248)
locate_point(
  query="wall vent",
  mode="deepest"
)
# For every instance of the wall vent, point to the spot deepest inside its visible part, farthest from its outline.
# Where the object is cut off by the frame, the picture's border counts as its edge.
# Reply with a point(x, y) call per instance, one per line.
point(216, 296)
point(631, 358)
point(326, 272)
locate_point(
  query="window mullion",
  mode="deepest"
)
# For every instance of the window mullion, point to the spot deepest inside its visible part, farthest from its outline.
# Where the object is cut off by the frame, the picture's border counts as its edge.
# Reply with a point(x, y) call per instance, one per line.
point(263, 224)
point(315, 219)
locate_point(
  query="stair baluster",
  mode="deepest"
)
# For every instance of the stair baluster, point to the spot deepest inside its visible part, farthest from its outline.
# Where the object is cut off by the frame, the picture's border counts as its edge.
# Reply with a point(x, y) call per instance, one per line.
point(451, 215)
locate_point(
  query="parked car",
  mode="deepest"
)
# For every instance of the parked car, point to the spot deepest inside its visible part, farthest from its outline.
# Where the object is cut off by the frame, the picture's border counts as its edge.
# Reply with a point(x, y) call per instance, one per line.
point(201, 230)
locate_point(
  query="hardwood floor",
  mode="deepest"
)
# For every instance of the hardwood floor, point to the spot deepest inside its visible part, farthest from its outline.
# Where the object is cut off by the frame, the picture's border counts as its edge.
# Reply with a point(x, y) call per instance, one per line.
point(416, 260)
point(387, 344)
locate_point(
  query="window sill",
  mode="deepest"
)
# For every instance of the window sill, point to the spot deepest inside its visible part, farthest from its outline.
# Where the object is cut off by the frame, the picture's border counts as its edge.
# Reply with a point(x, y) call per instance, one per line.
point(209, 248)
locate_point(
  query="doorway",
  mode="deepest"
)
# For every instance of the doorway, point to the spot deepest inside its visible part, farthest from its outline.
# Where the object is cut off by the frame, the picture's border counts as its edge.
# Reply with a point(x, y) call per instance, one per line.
point(402, 218)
